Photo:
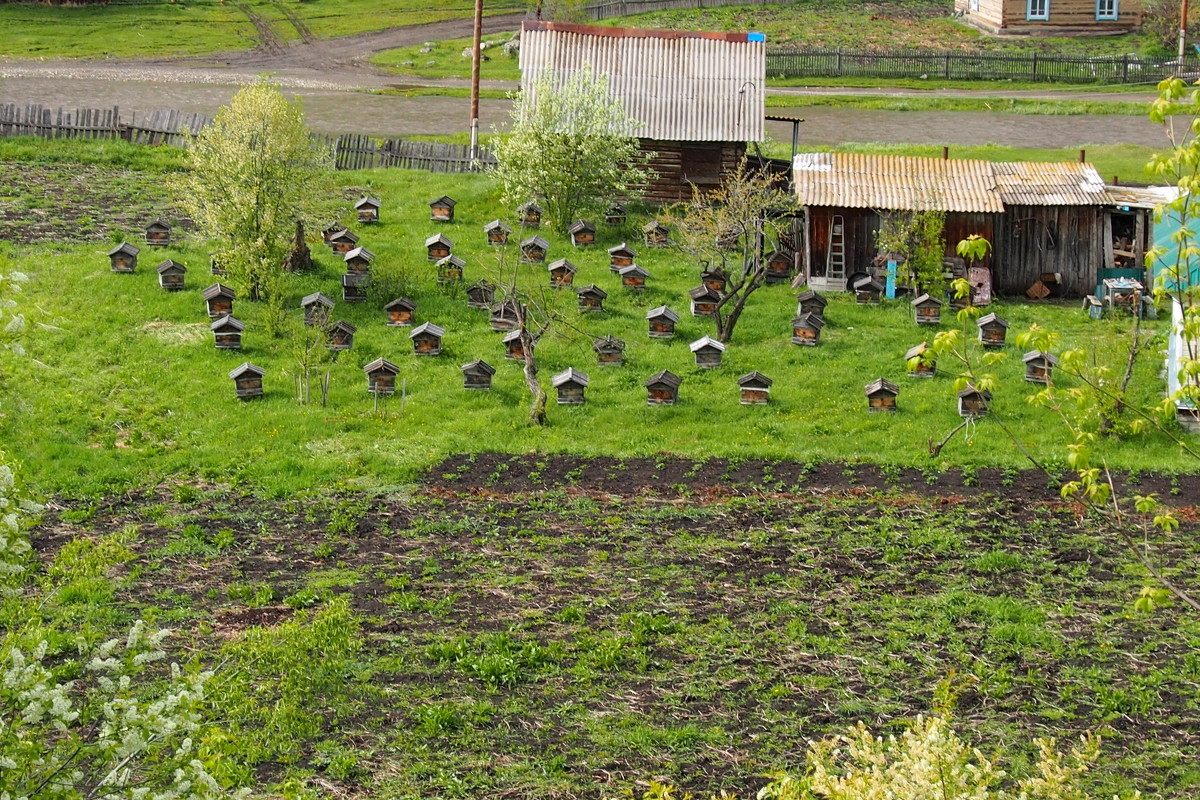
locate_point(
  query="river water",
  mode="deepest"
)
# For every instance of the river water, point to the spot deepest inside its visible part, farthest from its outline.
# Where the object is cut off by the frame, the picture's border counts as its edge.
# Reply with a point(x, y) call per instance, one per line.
point(333, 109)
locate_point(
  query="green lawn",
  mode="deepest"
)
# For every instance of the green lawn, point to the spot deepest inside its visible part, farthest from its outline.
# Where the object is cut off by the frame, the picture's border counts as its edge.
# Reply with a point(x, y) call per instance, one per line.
point(121, 390)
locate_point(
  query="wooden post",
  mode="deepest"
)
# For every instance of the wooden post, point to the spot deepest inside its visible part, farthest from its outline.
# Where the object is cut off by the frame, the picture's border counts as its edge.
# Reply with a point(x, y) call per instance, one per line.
point(476, 54)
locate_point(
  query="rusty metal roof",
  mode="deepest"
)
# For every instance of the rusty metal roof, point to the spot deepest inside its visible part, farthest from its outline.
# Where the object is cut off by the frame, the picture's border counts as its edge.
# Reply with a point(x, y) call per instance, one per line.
point(895, 183)
point(1059, 183)
point(906, 183)
point(678, 86)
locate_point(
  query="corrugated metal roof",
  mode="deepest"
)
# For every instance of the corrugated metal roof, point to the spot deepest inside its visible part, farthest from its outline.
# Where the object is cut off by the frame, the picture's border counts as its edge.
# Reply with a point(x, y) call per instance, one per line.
point(895, 183)
point(906, 183)
point(1059, 183)
point(678, 86)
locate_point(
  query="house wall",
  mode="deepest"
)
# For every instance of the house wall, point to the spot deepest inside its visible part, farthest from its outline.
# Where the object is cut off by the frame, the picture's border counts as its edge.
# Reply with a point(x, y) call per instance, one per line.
point(681, 164)
point(1066, 17)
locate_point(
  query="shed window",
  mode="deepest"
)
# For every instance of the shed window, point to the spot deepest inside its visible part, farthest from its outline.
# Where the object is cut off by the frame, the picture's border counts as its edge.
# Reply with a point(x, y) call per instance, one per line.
point(1037, 9)
point(1107, 9)
point(974, 5)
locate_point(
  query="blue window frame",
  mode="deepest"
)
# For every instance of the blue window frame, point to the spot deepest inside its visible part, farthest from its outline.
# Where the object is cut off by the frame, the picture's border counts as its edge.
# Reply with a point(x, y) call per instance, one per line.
point(1108, 9)
point(1037, 9)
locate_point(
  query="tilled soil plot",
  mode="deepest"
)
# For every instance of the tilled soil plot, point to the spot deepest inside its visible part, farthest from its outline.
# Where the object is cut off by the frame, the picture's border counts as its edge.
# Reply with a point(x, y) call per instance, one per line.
point(524, 641)
point(72, 202)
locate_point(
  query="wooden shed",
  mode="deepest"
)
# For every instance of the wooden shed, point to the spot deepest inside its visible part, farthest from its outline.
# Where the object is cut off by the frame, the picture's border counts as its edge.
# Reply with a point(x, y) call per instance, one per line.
point(427, 339)
point(1039, 366)
point(355, 286)
point(699, 97)
point(570, 385)
point(633, 277)
point(562, 273)
point(368, 209)
point(881, 395)
point(1051, 17)
point(227, 332)
point(497, 233)
point(655, 234)
point(530, 214)
point(504, 316)
point(481, 294)
point(806, 329)
point(218, 300)
point(610, 351)
point(708, 352)
point(381, 376)
point(343, 241)
point(621, 255)
point(582, 233)
point(400, 312)
point(927, 310)
point(811, 302)
point(247, 380)
point(358, 260)
point(779, 265)
point(158, 233)
point(316, 308)
point(591, 298)
point(442, 209)
point(662, 388)
point(438, 247)
point(973, 402)
point(171, 274)
point(756, 388)
point(716, 279)
point(1053, 219)
point(450, 269)
point(918, 363)
point(123, 257)
point(534, 250)
point(662, 322)
point(340, 336)
point(704, 300)
point(993, 330)
point(477, 374)
point(514, 346)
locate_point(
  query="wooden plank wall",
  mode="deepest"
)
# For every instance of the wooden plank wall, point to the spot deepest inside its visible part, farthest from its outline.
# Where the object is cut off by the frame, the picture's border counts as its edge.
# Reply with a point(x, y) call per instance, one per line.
point(1031, 240)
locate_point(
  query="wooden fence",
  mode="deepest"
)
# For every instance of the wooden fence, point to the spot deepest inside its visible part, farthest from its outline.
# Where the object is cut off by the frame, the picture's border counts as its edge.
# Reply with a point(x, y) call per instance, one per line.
point(356, 151)
point(844, 62)
point(351, 151)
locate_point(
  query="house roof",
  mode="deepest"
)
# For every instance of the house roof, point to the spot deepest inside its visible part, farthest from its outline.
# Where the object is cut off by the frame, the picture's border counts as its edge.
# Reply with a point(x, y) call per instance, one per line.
point(881, 385)
point(400, 302)
point(359, 252)
point(170, 265)
point(706, 342)
point(664, 377)
point(368, 201)
point(218, 290)
point(427, 328)
point(909, 183)
point(608, 342)
point(677, 85)
point(125, 247)
point(662, 311)
point(227, 321)
point(755, 378)
point(245, 367)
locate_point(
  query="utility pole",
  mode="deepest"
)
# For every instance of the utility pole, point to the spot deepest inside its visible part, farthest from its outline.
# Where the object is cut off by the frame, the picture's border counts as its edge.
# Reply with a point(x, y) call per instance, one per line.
point(476, 55)
point(1183, 20)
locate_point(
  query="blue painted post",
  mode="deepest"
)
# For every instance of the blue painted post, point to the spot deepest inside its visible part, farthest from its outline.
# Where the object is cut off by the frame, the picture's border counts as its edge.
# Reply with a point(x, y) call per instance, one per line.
point(891, 280)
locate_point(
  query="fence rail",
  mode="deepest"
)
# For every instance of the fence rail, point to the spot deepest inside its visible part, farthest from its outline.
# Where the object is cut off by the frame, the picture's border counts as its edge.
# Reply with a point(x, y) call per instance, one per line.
point(604, 9)
point(351, 151)
point(947, 65)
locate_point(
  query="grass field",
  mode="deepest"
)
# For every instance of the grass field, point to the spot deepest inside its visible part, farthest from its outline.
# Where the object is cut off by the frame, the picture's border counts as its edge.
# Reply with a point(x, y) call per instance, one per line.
point(127, 381)
point(430, 598)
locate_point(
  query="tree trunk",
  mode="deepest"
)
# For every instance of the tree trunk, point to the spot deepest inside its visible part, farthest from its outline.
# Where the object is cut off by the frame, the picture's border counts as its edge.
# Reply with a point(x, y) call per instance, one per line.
point(537, 405)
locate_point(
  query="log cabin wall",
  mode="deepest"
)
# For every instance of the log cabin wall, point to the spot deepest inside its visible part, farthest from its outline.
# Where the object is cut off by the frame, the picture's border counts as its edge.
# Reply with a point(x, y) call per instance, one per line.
point(1032, 240)
point(679, 165)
